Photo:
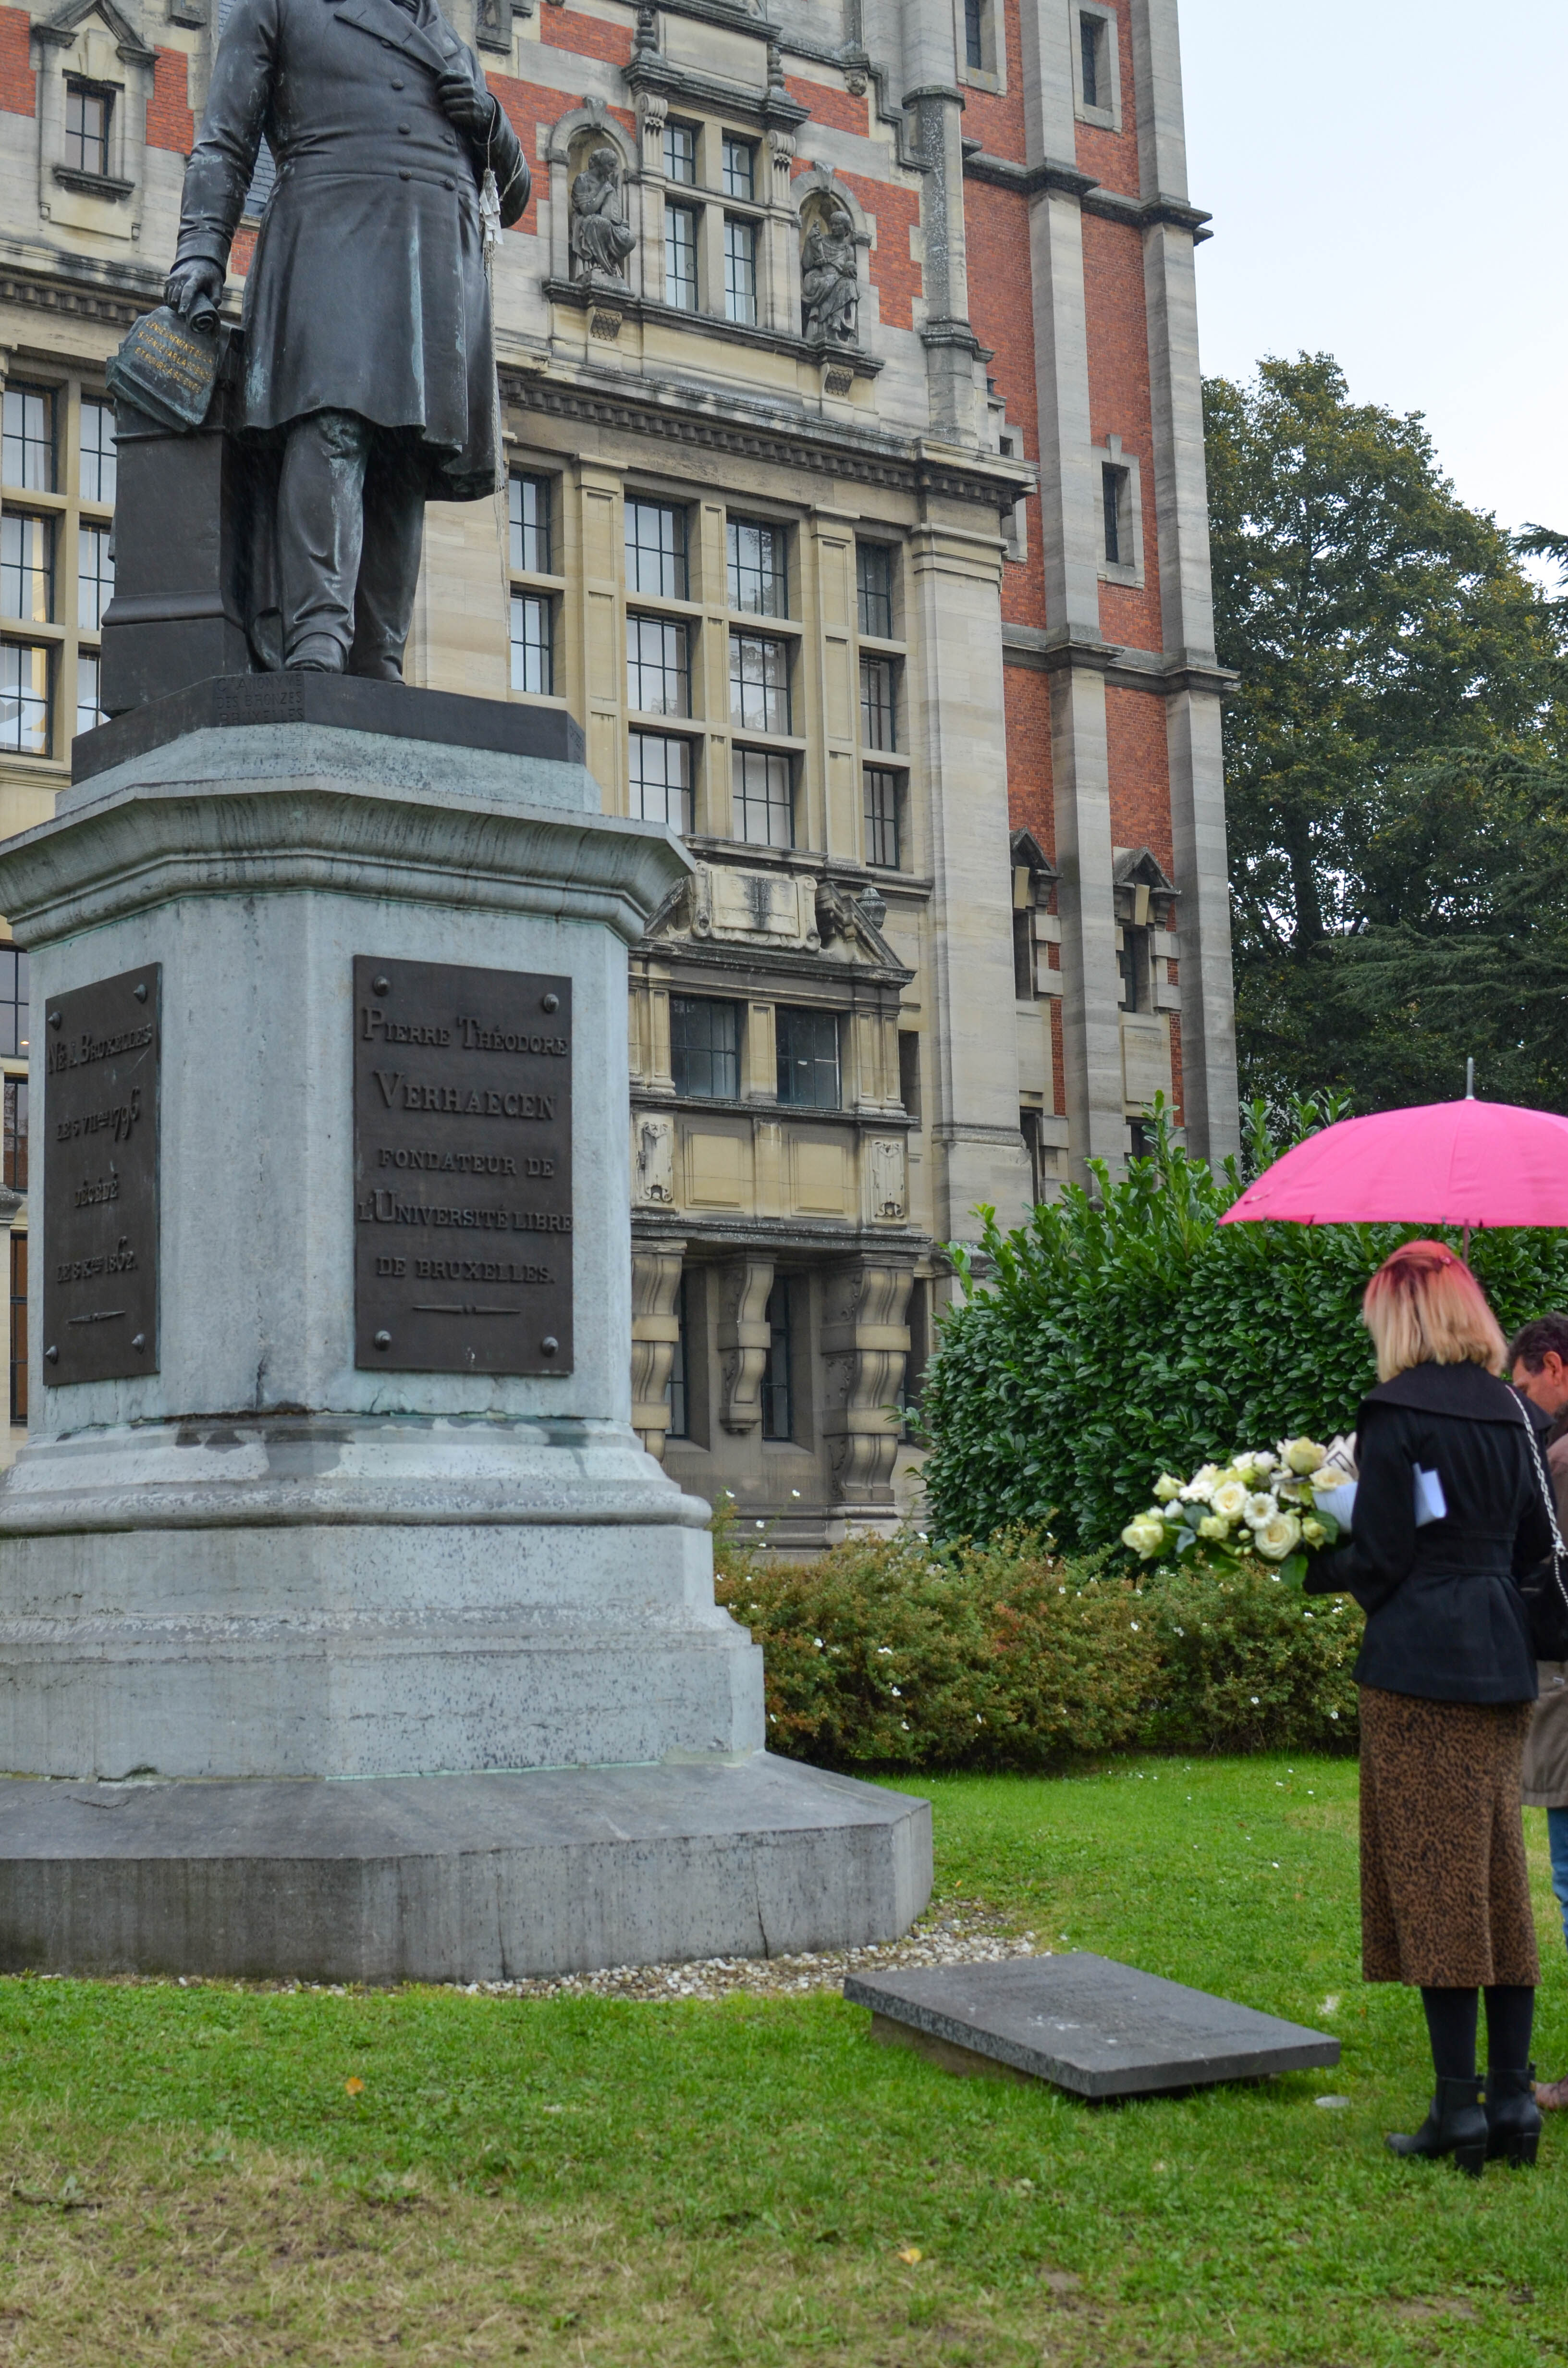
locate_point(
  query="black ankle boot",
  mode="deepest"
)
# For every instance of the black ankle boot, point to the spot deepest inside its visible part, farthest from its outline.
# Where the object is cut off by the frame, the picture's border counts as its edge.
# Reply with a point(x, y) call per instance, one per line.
point(1456, 2125)
point(1512, 2117)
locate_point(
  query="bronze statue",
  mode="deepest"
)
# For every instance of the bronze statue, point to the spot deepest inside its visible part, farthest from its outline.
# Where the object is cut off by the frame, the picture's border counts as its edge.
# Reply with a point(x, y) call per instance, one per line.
point(601, 239)
point(369, 376)
point(829, 289)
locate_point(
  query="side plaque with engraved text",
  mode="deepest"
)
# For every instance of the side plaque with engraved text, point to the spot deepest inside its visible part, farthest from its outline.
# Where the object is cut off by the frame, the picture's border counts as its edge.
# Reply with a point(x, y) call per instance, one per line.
point(101, 1180)
point(463, 1169)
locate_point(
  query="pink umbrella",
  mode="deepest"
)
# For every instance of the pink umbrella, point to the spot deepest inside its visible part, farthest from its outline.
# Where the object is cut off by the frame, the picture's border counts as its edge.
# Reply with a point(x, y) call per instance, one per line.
point(1467, 1163)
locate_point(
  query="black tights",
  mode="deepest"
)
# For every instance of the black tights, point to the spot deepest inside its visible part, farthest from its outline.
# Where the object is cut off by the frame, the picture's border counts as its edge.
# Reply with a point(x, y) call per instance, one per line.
point(1451, 2023)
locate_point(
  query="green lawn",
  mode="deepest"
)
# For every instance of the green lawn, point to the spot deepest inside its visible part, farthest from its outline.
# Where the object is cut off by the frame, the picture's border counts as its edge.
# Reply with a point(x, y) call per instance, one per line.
point(595, 2183)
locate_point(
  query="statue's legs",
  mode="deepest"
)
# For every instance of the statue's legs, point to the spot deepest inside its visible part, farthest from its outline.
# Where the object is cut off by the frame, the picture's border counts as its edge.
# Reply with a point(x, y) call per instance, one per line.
point(350, 525)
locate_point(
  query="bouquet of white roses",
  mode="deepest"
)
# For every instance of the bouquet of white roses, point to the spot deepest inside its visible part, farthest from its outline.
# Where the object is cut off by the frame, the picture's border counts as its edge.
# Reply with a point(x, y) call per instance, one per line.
point(1258, 1503)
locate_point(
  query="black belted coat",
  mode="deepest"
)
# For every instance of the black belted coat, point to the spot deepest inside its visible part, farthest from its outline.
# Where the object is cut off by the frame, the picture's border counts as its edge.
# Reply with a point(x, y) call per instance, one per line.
point(1444, 1619)
point(367, 290)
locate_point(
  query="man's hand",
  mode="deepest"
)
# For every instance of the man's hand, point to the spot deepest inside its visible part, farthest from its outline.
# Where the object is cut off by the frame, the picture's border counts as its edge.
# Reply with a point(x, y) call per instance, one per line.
point(468, 108)
point(195, 290)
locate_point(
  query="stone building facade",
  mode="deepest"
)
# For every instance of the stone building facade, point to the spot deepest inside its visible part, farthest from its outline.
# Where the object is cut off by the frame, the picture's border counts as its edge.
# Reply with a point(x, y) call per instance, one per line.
point(850, 383)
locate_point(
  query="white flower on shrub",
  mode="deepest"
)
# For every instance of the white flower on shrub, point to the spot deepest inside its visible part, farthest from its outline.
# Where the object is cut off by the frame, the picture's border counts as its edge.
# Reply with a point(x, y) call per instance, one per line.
point(1145, 1536)
point(1278, 1536)
point(1259, 1508)
point(1229, 1498)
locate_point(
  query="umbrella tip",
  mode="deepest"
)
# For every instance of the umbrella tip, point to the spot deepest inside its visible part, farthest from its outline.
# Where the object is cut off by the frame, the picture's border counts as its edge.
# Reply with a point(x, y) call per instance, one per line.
point(1469, 1078)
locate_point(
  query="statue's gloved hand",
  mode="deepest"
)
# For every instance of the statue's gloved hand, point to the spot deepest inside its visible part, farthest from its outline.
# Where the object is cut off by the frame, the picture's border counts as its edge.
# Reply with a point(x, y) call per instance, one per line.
point(468, 108)
point(195, 290)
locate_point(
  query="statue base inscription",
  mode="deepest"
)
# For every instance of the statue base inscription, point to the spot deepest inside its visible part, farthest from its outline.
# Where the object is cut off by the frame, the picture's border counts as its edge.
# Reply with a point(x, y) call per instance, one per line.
point(287, 1554)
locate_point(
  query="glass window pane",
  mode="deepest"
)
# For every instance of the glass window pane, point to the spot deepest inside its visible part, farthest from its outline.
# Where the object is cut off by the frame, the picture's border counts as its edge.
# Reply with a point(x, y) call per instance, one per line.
point(1113, 485)
point(659, 771)
point(873, 584)
point(656, 548)
point(529, 500)
point(882, 818)
point(533, 643)
point(680, 258)
point(95, 576)
point(25, 687)
point(680, 153)
point(1088, 37)
point(15, 1140)
point(740, 269)
point(89, 715)
point(13, 1001)
point(973, 36)
point(738, 175)
point(763, 790)
point(87, 129)
point(705, 1047)
point(879, 715)
point(759, 683)
point(758, 581)
point(658, 676)
point(28, 440)
point(98, 452)
point(27, 567)
point(777, 1408)
point(808, 1057)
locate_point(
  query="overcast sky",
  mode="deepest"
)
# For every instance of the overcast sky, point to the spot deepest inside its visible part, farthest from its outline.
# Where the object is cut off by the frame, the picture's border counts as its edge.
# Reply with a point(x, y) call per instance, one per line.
point(1387, 179)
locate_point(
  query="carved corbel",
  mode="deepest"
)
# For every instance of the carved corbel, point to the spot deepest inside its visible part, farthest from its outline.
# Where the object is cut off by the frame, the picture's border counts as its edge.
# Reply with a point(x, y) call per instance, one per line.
point(743, 1340)
point(655, 1329)
point(865, 1346)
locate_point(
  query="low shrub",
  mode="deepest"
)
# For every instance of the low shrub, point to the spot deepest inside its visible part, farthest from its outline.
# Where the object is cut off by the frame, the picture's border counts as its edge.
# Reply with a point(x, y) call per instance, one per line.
point(898, 1652)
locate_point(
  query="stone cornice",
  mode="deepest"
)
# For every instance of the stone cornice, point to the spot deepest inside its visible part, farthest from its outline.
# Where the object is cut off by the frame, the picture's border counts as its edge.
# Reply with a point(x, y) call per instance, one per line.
point(858, 456)
point(1161, 671)
point(113, 302)
point(601, 295)
point(1110, 205)
point(703, 1230)
point(652, 69)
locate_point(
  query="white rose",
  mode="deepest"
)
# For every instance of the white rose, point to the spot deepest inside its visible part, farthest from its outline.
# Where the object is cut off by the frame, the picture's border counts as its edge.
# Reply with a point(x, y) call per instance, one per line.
point(1200, 1487)
point(1167, 1486)
point(1146, 1535)
point(1278, 1536)
point(1313, 1533)
point(1213, 1525)
point(1259, 1509)
point(1303, 1456)
point(1229, 1498)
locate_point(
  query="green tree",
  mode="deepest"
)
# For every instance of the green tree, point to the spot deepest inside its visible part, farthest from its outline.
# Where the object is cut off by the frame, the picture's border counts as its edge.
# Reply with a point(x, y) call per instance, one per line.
point(1397, 797)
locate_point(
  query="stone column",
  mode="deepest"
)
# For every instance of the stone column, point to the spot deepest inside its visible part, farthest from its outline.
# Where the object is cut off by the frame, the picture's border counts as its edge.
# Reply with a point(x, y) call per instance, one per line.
point(743, 1340)
point(655, 1329)
point(865, 1344)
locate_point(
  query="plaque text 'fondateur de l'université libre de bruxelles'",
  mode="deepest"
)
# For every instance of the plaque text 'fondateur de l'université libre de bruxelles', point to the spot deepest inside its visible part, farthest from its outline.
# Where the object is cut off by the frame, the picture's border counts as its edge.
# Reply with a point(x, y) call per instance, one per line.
point(462, 1168)
point(102, 1046)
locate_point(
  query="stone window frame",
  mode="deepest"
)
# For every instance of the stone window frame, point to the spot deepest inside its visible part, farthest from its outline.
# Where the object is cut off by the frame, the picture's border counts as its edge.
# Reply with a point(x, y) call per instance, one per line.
point(1110, 455)
point(1107, 119)
point(73, 47)
point(67, 640)
point(537, 583)
point(768, 211)
point(894, 649)
point(991, 74)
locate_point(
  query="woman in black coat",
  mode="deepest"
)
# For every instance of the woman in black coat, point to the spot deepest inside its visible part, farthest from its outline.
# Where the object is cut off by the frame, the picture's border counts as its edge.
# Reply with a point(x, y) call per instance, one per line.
point(1447, 1677)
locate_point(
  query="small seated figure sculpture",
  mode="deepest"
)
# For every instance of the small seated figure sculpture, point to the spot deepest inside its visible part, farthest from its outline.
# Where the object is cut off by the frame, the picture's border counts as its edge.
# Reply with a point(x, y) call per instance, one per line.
point(601, 236)
point(829, 287)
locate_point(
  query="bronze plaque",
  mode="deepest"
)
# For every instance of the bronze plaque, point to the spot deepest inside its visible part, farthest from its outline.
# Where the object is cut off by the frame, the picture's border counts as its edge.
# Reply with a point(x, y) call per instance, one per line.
point(101, 1180)
point(462, 1168)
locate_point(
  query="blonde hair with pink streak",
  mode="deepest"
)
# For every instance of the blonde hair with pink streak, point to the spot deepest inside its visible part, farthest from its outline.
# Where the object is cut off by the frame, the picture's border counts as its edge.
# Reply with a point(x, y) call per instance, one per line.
point(1425, 1308)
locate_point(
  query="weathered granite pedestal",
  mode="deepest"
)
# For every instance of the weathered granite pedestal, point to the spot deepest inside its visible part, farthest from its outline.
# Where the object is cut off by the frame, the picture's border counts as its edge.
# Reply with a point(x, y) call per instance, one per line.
point(312, 1661)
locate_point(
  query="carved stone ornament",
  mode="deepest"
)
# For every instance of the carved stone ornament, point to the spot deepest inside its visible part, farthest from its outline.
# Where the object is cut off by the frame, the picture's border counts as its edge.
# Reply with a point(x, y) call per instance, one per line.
point(830, 290)
point(601, 236)
point(654, 1182)
point(884, 1159)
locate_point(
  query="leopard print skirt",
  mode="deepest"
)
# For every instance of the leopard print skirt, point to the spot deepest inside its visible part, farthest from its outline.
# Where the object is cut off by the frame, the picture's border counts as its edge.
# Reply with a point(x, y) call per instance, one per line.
point(1445, 1889)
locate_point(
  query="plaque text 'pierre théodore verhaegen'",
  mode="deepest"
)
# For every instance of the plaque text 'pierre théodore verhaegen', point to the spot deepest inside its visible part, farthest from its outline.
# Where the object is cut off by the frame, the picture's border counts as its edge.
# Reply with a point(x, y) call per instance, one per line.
point(462, 1168)
point(101, 1180)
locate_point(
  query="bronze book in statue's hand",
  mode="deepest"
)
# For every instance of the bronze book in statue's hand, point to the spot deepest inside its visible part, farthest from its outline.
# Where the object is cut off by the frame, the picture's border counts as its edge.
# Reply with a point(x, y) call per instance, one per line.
point(166, 369)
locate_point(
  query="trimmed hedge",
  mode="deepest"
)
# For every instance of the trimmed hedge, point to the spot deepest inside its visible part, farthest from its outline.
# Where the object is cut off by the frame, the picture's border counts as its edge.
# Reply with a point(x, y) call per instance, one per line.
point(897, 1653)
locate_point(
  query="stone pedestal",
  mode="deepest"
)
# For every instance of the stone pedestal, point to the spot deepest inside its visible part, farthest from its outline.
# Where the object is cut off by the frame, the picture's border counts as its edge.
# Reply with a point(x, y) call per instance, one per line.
point(229, 1584)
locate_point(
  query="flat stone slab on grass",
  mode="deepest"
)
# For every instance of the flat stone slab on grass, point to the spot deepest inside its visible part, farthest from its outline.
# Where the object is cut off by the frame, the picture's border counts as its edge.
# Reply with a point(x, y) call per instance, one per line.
point(1084, 2022)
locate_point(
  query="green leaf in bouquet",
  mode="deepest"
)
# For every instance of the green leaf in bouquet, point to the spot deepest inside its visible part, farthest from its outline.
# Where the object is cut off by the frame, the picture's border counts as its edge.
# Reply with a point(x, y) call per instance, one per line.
point(1294, 1569)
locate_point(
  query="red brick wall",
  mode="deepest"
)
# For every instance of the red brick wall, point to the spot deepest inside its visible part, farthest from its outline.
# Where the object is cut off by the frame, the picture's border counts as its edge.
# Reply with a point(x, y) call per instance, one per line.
point(997, 118)
point(1119, 405)
point(18, 84)
point(1112, 156)
point(1026, 701)
point(895, 275)
point(590, 37)
point(170, 123)
point(242, 251)
point(831, 104)
point(997, 230)
point(1140, 771)
point(526, 105)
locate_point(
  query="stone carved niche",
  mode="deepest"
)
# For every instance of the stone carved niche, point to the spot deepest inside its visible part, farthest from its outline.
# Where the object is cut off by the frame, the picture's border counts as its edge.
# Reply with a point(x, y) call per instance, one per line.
point(653, 1161)
point(830, 281)
point(743, 1340)
point(865, 1346)
point(655, 1328)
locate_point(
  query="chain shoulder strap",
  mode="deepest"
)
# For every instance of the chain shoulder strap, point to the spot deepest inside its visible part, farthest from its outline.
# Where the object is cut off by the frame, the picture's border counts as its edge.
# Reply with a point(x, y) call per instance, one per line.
point(1559, 1552)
